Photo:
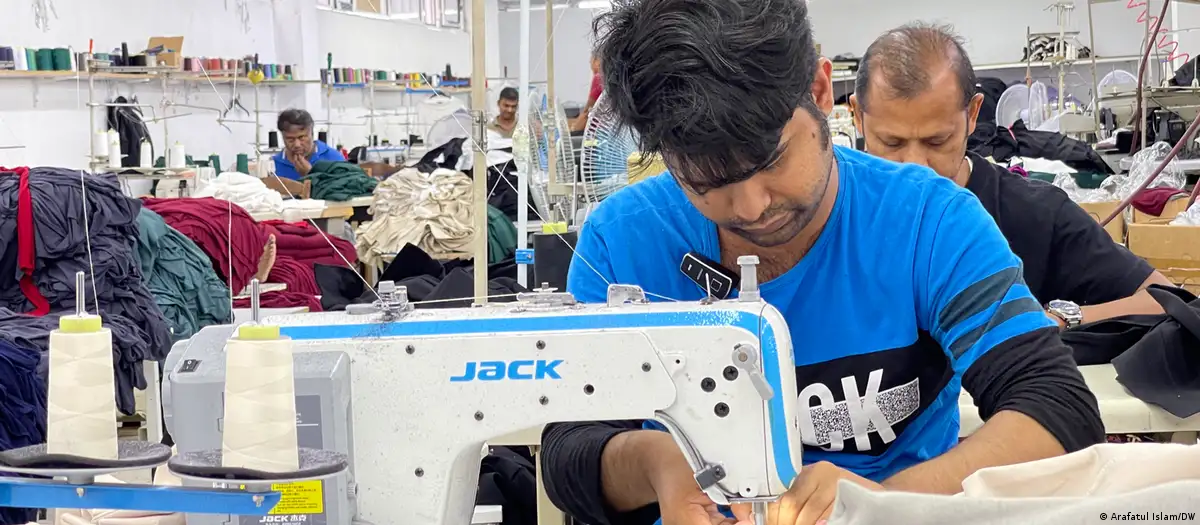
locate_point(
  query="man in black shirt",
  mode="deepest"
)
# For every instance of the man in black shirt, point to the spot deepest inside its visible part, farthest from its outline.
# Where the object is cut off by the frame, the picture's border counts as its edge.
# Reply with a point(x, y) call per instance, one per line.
point(915, 102)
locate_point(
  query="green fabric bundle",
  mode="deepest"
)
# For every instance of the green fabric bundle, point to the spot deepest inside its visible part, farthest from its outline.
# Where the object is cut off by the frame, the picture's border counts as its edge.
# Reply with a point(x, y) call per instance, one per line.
point(502, 236)
point(181, 277)
point(339, 181)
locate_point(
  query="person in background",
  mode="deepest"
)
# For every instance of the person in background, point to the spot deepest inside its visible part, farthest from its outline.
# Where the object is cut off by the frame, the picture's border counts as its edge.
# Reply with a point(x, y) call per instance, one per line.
point(897, 287)
point(506, 121)
point(301, 149)
point(915, 101)
point(597, 88)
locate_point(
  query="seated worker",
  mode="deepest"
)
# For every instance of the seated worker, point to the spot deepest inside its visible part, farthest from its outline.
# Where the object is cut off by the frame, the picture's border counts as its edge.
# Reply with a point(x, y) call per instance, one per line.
point(915, 101)
point(506, 121)
point(301, 149)
point(896, 285)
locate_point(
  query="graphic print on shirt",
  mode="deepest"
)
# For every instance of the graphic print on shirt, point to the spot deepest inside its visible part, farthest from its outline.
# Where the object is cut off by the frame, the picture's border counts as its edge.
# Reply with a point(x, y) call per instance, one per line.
point(861, 403)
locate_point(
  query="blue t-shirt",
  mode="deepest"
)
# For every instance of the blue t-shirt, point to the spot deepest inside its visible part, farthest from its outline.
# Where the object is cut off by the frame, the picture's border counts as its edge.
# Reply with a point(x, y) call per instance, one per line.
point(909, 283)
point(284, 167)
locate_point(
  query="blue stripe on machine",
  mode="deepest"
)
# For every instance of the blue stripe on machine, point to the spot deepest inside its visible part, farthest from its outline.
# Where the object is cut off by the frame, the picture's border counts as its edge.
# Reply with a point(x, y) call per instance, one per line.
point(744, 320)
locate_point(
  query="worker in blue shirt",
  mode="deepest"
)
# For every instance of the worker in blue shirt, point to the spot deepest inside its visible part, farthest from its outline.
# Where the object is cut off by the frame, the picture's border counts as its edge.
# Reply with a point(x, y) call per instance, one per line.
point(301, 149)
point(897, 286)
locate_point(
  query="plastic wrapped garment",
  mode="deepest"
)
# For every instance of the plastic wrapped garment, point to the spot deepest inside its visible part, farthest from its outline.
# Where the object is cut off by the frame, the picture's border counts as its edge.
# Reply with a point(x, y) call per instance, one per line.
point(1137, 478)
point(248, 192)
point(23, 402)
point(62, 244)
point(1067, 183)
point(221, 229)
point(187, 290)
point(429, 210)
point(1144, 163)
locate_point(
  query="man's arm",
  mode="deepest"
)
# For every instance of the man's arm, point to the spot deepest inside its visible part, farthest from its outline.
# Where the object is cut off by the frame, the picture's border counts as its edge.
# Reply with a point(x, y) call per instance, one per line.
point(1099, 274)
point(974, 301)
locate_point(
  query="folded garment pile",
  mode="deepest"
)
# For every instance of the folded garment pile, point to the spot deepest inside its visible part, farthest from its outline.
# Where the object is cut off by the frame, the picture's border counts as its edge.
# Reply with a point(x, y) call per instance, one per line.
point(339, 181)
point(23, 396)
point(305, 243)
point(232, 240)
point(244, 190)
point(44, 241)
point(190, 294)
point(429, 210)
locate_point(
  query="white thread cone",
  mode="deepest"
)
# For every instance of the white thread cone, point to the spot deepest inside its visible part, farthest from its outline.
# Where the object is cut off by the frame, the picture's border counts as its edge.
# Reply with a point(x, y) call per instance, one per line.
point(81, 419)
point(260, 406)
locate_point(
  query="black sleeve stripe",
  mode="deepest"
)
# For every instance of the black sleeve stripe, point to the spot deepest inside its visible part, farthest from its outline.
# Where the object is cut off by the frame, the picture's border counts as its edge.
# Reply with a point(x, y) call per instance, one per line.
point(1006, 311)
point(977, 298)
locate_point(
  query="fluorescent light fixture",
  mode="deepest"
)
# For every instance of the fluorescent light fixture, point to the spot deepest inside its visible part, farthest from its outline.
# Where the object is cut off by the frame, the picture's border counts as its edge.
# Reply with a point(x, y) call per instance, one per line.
point(594, 4)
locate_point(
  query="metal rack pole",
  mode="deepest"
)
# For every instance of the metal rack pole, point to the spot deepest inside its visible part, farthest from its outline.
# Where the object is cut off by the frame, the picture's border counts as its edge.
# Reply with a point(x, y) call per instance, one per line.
point(1095, 79)
point(479, 101)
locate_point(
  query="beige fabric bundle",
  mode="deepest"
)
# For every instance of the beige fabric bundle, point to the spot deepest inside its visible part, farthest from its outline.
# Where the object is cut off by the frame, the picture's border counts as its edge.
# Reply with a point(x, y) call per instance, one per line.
point(429, 210)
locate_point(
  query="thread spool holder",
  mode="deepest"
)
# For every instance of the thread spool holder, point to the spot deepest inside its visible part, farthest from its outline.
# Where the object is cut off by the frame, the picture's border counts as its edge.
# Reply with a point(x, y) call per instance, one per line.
point(64, 481)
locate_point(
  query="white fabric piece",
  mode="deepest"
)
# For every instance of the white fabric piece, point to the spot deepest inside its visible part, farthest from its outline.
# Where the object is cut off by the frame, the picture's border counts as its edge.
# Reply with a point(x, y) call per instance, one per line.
point(82, 404)
point(1100, 470)
point(431, 211)
point(244, 190)
point(1173, 502)
point(1189, 217)
point(260, 406)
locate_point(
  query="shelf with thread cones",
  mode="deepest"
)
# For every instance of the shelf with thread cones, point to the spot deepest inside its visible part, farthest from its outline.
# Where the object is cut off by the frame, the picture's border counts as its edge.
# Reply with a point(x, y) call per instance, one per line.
point(173, 76)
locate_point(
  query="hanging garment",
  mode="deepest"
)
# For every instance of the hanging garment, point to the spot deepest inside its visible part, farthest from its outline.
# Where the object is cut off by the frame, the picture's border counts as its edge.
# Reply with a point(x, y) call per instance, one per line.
point(244, 190)
point(1002, 144)
point(220, 229)
point(190, 294)
point(339, 181)
point(103, 247)
point(305, 243)
point(23, 404)
point(128, 123)
point(432, 211)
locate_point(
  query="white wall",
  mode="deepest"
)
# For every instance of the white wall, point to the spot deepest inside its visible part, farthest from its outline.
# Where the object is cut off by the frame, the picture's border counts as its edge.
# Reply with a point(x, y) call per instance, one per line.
point(51, 120)
point(572, 49)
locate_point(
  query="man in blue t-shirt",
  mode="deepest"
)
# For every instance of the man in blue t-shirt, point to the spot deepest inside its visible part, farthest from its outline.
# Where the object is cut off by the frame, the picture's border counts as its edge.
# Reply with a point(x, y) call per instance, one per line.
point(301, 149)
point(898, 288)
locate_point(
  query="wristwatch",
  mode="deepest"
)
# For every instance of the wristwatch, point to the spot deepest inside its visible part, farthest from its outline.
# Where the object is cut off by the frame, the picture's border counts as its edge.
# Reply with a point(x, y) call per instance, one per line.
point(1069, 312)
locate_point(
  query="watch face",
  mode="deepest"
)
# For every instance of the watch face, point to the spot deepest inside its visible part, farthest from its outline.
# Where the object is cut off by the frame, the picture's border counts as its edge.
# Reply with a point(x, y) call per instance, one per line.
point(1066, 308)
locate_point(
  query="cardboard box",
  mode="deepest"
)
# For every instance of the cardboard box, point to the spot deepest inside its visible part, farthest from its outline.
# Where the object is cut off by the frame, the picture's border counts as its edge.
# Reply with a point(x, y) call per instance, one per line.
point(1173, 208)
point(1100, 211)
point(1172, 250)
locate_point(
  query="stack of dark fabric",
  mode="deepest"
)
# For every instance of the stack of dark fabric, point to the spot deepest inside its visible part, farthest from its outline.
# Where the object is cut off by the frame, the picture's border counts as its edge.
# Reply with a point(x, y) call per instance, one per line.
point(183, 281)
point(44, 241)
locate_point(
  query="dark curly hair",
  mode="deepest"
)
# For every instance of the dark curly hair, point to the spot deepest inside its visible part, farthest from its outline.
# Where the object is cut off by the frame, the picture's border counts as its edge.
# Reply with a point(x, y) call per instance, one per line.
point(709, 84)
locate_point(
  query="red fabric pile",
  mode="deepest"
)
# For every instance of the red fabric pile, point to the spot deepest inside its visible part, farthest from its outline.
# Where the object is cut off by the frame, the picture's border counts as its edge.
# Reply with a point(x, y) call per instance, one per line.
point(298, 276)
point(207, 222)
point(305, 243)
point(284, 299)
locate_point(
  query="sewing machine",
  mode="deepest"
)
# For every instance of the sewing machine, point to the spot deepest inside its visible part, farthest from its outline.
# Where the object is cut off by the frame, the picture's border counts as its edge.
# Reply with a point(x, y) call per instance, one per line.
point(411, 396)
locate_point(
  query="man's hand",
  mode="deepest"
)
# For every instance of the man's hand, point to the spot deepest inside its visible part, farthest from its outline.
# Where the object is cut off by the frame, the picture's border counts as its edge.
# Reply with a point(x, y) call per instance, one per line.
point(302, 165)
point(680, 500)
point(810, 499)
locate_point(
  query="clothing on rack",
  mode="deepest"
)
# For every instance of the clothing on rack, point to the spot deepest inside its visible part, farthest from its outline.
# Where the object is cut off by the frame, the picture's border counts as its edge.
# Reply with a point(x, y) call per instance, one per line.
point(1002, 144)
point(129, 347)
point(220, 229)
point(128, 123)
point(190, 294)
point(305, 243)
point(430, 210)
point(244, 190)
point(284, 299)
point(23, 401)
point(103, 247)
point(339, 181)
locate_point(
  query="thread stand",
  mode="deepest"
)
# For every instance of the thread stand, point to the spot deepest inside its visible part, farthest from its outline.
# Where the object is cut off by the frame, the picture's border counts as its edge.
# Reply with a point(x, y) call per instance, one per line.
point(253, 357)
point(68, 470)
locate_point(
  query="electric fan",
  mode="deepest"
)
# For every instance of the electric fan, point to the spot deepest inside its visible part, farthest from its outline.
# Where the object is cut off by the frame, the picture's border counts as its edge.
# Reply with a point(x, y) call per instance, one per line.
point(549, 186)
point(610, 158)
point(1021, 102)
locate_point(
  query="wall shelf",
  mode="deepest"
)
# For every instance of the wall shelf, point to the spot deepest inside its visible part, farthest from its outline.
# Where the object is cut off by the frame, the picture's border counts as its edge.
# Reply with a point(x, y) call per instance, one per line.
point(173, 76)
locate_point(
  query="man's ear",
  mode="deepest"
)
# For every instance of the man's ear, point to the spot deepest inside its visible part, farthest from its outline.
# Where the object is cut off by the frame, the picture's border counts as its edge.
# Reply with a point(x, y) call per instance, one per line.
point(973, 112)
point(822, 86)
point(856, 114)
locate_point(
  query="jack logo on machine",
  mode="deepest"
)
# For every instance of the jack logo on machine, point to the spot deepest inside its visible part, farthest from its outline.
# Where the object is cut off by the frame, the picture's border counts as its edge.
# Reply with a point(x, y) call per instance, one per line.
point(526, 370)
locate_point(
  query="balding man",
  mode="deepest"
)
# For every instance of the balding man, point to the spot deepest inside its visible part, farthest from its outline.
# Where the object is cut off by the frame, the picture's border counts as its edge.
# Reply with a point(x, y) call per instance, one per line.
point(915, 101)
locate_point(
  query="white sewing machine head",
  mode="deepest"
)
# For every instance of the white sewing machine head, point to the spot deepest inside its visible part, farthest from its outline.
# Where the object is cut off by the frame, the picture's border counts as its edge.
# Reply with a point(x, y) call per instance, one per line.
point(431, 387)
